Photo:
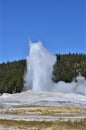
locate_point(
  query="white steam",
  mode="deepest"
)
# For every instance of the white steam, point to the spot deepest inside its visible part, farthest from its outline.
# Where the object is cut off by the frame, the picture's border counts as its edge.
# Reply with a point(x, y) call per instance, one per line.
point(39, 68)
point(38, 76)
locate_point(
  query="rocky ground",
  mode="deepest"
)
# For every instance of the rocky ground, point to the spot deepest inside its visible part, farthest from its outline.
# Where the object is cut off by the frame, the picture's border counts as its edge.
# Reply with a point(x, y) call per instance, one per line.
point(42, 111)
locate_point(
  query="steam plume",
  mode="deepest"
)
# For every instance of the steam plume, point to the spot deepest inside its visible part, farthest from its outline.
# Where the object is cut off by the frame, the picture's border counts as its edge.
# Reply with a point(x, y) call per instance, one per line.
point(38, 76)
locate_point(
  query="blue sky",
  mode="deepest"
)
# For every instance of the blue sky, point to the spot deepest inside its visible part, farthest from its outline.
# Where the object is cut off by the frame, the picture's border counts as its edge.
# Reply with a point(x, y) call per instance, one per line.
point(59, 24)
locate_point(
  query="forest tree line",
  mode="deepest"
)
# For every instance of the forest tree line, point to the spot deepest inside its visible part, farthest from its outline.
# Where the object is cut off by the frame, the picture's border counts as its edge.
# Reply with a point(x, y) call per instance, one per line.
point(11, 76)
point(67, 67)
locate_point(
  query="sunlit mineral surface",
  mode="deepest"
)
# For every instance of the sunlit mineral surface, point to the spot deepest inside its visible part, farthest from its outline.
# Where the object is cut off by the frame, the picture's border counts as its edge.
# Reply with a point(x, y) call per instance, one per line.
point(42, 111)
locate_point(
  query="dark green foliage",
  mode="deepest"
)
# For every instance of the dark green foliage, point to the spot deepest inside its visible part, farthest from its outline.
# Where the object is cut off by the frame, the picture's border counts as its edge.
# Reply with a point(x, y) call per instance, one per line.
point(66, 68)
point(69, 66)
point(11, 76)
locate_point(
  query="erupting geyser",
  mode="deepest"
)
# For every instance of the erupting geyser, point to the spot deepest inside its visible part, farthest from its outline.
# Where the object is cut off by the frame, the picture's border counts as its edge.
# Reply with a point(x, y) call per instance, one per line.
point(39, 68)
point(38, 76)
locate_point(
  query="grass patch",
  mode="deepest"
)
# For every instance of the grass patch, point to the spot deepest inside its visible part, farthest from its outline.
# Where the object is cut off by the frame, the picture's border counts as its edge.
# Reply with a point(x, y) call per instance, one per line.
point(39, 125)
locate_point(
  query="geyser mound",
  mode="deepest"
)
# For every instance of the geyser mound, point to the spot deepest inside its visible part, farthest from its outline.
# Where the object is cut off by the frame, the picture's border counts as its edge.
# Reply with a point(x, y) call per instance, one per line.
point(38, 76)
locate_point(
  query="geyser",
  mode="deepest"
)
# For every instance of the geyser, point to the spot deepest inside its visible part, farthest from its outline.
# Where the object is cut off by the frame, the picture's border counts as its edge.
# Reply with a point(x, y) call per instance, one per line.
point(38, 76)
point(39, 68)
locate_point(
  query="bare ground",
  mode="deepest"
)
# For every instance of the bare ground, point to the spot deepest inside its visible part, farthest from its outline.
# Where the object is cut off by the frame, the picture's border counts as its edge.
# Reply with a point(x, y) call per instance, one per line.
point(43, 118)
